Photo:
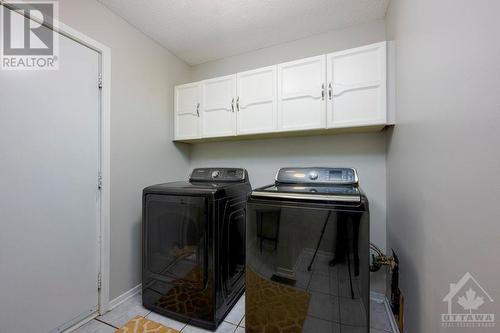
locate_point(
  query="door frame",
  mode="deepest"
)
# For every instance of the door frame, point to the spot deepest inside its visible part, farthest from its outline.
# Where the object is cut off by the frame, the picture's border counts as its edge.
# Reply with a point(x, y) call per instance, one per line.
point(103, 209)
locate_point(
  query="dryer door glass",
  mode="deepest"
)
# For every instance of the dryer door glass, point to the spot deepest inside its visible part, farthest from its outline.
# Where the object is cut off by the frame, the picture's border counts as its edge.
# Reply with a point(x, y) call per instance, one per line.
point(175, 242)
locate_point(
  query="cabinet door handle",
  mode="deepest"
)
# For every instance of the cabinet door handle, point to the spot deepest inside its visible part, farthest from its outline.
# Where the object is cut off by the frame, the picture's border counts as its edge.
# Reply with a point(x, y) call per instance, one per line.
point(330, 90)
point(238, 104)
point(198, 109)
point(323, 92)
point(232, 105)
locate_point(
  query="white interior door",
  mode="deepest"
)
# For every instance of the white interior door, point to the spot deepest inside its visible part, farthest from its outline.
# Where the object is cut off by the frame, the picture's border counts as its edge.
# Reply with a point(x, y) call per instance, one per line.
point(256, 102)
point(357, 86)
point(219, 106)
point(188, 111)
point(49, 153)
point(301, 94)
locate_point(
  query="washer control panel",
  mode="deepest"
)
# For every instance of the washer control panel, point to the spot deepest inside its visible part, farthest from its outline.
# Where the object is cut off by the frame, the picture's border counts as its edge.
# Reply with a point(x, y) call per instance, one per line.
point(320, 175)
point(219, 174)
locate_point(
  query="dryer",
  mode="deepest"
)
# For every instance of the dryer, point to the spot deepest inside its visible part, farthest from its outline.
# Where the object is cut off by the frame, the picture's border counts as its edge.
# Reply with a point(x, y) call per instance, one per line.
point(308, 253)
point(194, 245)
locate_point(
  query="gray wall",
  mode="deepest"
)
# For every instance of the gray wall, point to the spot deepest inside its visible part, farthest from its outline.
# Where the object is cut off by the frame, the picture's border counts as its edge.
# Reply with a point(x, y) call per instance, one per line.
point(262, 158)
point(443, 157)
point(315, 45)
point(142, 153)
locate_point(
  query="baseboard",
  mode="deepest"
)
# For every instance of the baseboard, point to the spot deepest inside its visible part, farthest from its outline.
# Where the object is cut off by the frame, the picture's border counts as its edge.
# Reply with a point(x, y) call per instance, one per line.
point(125, 296)
point(81, 323)
point(381, 298)
point(113, 304)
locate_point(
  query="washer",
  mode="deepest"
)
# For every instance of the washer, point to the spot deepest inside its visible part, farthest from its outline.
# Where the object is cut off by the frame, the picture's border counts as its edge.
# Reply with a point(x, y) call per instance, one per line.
point(194, 245)
point(308, 253)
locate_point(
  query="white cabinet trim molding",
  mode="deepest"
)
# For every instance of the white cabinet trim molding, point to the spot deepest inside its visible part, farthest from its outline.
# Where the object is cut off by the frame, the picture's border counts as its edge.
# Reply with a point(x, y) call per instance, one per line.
point(256, 104)
point(301, 94)
point(368, 105)
point(218, 106)
point(187, 111)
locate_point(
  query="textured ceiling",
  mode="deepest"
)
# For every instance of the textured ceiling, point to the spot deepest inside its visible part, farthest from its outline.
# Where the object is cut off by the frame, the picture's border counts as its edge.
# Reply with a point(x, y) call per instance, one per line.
point(198, 31)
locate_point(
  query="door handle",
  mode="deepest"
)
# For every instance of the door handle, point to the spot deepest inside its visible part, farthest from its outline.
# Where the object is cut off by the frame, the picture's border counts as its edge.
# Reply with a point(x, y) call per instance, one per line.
point(232, 105)
point(323, 92)
point(330, 91)
point(238, 104)
point(198, 109)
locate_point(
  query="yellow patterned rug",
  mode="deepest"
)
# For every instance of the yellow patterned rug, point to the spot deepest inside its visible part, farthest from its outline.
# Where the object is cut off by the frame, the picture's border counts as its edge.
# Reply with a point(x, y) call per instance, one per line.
point(188, 297)
point(142, 325)
point(273, 307)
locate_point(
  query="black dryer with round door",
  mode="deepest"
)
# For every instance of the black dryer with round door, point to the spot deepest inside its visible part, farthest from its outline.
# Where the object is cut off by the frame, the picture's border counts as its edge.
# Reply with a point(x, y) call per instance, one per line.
point(193, 266)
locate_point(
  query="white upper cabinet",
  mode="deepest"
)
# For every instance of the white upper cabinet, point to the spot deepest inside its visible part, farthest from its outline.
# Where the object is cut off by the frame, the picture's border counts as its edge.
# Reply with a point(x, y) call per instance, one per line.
point(346, 89)
point(301, 94)
point(357, 86)
point(187, 111)
point(256, 101)
point(219, 106)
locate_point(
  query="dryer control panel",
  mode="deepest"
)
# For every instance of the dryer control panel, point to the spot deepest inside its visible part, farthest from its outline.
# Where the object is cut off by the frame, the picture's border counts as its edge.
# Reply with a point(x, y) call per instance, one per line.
point(319, 175)
point(218, 175)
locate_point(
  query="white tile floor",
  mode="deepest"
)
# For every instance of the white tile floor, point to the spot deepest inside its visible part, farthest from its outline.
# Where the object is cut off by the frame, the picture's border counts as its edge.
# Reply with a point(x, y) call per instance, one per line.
point(119, 316)
point(234, 322)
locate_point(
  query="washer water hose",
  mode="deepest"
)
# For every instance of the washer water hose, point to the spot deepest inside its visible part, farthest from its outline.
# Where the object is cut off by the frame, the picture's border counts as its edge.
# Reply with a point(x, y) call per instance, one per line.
point(379, 259)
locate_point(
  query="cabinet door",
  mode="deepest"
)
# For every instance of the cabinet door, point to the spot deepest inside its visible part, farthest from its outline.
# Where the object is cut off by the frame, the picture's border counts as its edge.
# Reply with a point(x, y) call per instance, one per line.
point(187, 111)
point(301, 94)
point(357, 86)
point(256, 101)
point(219, 106)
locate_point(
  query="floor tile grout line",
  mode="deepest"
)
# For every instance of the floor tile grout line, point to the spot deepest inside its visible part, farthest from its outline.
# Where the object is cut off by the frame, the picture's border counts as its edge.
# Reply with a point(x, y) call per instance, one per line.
point(228, 322)
point(184, 327)
point(231, 323)
point(105, 323)
point(239, 325)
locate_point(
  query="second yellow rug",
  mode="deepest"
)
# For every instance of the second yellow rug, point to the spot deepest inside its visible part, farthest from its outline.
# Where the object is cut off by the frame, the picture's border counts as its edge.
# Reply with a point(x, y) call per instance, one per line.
point(143, 325)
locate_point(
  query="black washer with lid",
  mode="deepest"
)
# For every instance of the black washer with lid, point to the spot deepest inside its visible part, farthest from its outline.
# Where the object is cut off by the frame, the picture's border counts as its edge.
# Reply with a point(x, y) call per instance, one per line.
point(308, 252)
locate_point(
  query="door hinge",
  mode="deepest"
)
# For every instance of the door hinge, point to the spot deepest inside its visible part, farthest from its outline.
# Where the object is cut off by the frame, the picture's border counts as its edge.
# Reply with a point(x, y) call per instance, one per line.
point(99, 281)
point(99, 81)
point(99, 181)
